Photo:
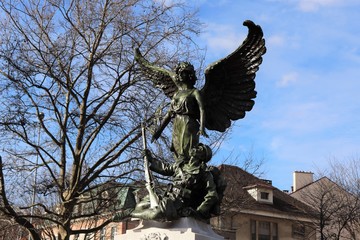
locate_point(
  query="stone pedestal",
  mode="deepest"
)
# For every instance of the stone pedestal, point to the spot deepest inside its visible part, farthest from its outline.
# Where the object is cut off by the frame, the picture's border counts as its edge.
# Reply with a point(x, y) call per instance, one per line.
point(182, 229)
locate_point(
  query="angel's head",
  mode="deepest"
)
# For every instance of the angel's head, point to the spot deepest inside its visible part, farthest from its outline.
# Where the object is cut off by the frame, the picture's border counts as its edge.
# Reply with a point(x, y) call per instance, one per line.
point(186, 73)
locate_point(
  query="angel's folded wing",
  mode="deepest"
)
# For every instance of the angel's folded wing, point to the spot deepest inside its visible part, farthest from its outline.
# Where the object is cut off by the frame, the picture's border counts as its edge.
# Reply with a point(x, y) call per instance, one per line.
point(230, 87)
point(160, 77)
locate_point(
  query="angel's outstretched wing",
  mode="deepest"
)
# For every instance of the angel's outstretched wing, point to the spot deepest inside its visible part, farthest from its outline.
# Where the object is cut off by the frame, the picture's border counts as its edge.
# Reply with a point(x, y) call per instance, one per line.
point(230, 86)
point(159, 76)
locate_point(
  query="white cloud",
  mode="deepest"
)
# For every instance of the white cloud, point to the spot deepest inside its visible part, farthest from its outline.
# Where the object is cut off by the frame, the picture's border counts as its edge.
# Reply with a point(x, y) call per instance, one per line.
point(302, 119)
point(222, 39)
point(226, 43)
point(313, 5)
point(210, 2)
point(287, 79)
point(276, 143)
point(275, 40)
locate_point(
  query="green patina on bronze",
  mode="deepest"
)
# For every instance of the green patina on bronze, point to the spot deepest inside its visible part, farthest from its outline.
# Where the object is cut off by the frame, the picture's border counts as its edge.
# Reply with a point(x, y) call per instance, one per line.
point(229, 90)
point(192, 192)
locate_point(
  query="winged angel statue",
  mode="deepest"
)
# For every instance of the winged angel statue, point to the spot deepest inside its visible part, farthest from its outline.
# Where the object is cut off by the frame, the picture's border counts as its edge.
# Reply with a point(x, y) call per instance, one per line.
point(196, 189)
point(228, 92)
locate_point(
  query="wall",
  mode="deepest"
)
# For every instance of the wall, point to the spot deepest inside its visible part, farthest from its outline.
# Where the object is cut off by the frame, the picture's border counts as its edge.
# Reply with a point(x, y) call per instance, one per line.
point(240, 223)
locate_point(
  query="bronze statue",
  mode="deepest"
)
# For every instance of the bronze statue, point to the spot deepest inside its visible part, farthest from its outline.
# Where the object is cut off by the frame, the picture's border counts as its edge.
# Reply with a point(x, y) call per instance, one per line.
point(192, 192)
point(186, 108)
point(228, 93)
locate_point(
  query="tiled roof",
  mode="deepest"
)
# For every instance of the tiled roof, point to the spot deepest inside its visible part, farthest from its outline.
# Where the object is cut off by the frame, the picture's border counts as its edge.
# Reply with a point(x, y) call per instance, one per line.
point(237, 197)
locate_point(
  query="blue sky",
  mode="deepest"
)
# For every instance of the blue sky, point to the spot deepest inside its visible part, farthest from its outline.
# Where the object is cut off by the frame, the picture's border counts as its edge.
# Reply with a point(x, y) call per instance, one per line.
point(307, 109)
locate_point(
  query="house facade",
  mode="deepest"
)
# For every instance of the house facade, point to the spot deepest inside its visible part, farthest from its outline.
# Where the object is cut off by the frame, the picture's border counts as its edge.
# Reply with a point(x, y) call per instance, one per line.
point(338, 211)
point(253, 209)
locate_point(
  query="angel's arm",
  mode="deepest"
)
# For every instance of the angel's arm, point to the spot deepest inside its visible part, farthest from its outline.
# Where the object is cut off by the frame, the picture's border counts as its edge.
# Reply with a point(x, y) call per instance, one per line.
point(140, 59)
point(202, 112)
point(164, 123)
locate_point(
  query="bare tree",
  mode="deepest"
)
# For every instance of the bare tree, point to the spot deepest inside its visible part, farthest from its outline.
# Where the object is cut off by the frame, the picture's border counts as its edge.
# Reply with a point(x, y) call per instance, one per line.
point(336, 202)
point(72, 101)
point(346, 173)
point(9, 230)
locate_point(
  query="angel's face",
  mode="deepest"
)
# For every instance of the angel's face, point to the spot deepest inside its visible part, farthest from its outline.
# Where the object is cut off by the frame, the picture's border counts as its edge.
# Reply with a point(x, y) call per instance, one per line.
point(188, 75)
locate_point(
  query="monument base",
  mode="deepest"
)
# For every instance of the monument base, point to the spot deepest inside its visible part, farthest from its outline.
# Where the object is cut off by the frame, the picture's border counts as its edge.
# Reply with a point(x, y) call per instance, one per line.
point(183, 228)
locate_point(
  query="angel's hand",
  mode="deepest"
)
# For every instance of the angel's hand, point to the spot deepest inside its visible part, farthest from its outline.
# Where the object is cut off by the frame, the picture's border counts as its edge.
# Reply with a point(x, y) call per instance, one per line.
point(146, 153)
point(203, 133)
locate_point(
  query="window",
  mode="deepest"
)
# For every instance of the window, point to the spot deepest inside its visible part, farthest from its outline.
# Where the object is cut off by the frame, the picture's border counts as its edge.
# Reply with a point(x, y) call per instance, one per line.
point(264, 195)
point(253, 229)
point(274, 231)
point(261, 230)
point(264, 231)
point(113, 233)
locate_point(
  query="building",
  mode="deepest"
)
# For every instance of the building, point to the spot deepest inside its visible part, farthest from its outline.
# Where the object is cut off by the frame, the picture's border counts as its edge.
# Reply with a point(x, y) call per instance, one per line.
point(254, 209)
point(337, 210)
point(93, 213)
point(112, 231)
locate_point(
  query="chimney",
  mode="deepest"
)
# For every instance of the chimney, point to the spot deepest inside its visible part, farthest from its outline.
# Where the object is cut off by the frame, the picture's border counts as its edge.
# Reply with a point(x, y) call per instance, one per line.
point(301, 179)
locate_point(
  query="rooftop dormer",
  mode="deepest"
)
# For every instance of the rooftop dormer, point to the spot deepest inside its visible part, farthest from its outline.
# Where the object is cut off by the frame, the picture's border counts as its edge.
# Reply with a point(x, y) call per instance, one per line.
point(261, 192)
